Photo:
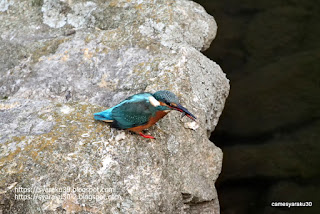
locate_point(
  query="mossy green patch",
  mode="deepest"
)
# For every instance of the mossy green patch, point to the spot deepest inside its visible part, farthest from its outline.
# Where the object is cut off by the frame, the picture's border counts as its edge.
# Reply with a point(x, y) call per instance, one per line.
point(36, 3)
point(71, 134)
point(49, 47)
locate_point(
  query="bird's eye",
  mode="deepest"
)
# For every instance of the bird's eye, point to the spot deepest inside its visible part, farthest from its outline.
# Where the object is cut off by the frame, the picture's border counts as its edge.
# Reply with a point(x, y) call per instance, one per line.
point(167, 103)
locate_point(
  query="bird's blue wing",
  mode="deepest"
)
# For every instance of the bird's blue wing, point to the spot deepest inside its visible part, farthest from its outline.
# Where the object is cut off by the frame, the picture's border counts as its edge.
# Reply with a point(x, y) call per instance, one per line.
point(134, 111)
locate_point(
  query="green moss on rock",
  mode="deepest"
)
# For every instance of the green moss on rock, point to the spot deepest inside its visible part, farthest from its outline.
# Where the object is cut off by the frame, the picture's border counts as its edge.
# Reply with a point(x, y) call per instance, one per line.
point(48, 47)
point(37, 3)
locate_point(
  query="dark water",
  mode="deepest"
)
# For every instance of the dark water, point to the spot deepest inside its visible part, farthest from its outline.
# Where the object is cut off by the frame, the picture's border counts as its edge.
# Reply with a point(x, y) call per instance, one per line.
point(270, 129)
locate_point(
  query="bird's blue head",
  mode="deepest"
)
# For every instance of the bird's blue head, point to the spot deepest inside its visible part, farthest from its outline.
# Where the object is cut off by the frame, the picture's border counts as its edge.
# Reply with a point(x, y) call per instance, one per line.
point(169, 101)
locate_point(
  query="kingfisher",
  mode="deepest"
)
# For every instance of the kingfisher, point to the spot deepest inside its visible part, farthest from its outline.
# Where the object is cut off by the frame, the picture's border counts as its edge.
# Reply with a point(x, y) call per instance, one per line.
point(140, 111)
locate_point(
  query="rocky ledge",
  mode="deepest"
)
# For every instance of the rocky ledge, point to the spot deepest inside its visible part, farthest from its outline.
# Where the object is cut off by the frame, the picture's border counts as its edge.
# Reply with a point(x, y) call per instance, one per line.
point(64, 60)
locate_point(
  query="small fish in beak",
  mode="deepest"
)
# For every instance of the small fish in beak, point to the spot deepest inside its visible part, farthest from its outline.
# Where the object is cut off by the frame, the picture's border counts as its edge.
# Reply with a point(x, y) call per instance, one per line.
point(185, 112)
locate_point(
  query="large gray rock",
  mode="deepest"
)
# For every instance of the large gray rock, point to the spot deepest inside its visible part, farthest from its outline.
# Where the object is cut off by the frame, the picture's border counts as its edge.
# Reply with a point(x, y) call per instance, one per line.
point(67, 60)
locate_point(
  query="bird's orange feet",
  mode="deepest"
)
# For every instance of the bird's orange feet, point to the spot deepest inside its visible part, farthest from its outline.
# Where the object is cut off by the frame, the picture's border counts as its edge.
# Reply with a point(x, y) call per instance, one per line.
point(146, 136)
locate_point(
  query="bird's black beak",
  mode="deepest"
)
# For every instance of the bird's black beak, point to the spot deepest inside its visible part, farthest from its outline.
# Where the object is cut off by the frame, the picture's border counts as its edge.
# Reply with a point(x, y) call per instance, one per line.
point(185, 111)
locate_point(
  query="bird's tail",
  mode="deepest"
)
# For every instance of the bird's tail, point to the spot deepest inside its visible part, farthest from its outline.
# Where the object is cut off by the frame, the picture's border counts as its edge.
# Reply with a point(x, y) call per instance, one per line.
point(104, 116)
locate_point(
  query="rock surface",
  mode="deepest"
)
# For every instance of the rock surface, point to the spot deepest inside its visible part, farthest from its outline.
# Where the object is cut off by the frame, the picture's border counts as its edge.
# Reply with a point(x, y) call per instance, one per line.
point(65, 60)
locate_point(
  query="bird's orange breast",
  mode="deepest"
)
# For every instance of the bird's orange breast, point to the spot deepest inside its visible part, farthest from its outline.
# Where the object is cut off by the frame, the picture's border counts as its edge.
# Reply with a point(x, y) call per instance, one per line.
point(152, 121)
